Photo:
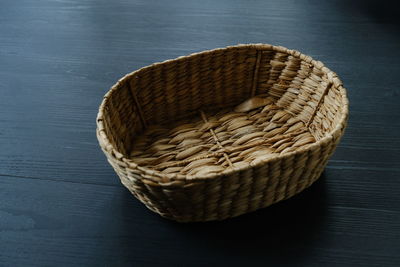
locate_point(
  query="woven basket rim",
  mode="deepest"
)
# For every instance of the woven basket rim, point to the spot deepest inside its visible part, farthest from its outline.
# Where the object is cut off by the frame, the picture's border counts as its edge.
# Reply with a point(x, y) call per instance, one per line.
point(154, 175)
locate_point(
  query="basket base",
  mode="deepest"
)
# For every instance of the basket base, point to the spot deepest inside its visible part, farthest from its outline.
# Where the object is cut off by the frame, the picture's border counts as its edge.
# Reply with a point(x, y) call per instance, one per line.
point(213, 143)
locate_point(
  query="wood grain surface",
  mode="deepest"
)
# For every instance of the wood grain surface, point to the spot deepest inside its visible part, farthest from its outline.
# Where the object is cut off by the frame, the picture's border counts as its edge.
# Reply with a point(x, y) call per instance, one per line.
point(61, 204)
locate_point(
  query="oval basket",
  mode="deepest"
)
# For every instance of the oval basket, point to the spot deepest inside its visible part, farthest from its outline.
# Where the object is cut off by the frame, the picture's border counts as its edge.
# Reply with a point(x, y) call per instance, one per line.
point(220, 133)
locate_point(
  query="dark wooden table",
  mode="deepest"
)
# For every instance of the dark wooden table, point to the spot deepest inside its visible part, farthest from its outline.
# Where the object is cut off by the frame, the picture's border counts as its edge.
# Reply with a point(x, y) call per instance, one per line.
point(62, 204)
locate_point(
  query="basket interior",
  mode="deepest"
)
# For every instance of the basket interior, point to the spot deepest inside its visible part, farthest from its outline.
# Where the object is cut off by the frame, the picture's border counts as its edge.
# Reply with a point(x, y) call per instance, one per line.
point(219, 110)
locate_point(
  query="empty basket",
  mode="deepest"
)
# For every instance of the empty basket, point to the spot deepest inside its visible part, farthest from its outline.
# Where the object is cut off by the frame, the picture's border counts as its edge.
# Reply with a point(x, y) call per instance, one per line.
point(223, 132)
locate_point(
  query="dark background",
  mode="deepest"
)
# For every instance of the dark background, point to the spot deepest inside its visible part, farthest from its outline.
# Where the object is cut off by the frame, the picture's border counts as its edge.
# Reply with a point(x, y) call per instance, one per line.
point(62, 204)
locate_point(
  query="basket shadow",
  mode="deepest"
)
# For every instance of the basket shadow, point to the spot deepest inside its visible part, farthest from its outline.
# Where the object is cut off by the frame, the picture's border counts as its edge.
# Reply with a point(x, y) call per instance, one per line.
point(284, 231)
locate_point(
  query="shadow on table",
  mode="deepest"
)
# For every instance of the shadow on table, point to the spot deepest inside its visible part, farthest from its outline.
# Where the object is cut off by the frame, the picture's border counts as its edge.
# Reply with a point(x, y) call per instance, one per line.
point(284, 231)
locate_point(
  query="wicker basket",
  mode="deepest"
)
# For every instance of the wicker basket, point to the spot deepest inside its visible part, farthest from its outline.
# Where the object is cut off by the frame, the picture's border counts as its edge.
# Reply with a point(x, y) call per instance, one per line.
point(220, 133)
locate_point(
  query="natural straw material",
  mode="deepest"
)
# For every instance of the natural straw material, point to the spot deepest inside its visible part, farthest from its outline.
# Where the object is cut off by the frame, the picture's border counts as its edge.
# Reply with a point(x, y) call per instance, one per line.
point(223, 132)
